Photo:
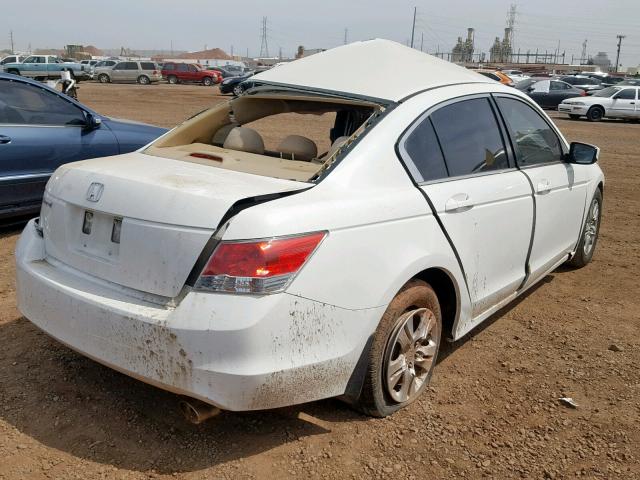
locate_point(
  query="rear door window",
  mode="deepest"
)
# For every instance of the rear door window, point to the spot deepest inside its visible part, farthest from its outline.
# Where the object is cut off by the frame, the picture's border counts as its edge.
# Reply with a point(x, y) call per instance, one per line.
point(423, 149)
point(169, 66)
point(130, 66)
point(470, 137)
point(626, 94)
point(183, 67)
point(148, 66)
point(534, 140)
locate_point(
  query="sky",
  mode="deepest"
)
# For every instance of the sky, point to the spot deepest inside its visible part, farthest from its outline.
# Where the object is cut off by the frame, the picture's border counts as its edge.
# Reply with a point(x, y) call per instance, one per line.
point(193, 24)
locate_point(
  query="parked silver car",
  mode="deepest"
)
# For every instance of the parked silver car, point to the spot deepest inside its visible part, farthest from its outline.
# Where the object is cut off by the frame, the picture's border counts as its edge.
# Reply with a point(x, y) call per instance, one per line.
point(142, 72)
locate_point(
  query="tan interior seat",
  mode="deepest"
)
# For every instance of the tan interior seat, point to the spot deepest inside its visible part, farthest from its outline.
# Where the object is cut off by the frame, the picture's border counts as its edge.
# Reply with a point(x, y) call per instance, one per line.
point(245, 140)
point(299, 147)
point(222, 133)
point(337, 143)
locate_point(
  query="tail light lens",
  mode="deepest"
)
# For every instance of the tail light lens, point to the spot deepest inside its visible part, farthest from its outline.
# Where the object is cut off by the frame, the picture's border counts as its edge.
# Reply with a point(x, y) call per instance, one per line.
point(258, 267)
point(583, 93)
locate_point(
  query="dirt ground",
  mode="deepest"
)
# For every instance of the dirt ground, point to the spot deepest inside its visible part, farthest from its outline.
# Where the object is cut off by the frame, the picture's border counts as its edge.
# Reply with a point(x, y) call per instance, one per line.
point(492, 409)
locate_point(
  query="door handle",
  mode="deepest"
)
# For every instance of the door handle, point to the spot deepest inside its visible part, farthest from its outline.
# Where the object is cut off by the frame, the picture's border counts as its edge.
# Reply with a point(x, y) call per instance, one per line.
point(544, 186)
point(458, 202)
point(4, 139)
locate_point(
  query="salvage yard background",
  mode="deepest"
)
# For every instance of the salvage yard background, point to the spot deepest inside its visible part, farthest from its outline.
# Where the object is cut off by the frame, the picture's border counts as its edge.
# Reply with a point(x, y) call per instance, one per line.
point(492, 409)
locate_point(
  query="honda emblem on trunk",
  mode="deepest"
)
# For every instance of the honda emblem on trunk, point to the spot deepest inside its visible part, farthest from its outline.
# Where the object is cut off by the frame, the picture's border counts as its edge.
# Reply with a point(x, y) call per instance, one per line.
point(95, 191)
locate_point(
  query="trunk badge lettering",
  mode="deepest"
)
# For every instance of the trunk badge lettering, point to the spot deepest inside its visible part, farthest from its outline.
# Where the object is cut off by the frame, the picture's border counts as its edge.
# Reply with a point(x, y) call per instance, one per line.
point(95, 192)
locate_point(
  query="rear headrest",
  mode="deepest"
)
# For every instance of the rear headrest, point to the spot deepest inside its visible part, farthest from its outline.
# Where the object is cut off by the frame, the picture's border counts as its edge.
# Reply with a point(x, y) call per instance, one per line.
point(221, 134)
point(300, 148)
point(337, 143)
point(245, 140)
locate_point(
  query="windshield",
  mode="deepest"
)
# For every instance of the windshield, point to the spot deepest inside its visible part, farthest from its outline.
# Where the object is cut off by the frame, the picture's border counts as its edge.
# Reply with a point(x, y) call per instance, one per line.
point(606, 92)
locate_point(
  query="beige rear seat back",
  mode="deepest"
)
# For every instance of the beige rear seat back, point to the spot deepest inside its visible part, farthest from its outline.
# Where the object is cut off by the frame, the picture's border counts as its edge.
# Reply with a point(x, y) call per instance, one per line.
point(245, 140)
point(299, 147)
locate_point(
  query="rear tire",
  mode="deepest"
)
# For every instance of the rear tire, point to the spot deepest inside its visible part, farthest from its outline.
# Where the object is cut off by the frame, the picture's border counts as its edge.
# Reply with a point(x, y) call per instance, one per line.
point(14, 71)
point(104, 78)
point(172, 79)
point(144, 80)
point(238, 90)
point(383, 391)
point(589, 234)
point(207, 81)
point(595, 114)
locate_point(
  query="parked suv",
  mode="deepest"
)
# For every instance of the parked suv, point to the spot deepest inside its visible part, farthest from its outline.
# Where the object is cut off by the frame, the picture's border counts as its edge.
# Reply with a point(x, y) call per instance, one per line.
point(143, 73)
point(189, 73)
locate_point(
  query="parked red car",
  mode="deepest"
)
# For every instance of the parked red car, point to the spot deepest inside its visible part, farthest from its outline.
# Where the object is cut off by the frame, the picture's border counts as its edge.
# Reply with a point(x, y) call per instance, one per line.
point(189, 73)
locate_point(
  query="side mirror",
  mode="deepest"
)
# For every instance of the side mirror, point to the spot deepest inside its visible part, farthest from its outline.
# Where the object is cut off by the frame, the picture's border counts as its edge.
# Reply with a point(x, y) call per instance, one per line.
point(583, 153)
point(91, 122)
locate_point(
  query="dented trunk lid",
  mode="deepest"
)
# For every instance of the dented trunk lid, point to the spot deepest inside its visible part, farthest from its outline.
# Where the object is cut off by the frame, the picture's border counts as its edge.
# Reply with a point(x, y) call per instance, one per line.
point(166, 210)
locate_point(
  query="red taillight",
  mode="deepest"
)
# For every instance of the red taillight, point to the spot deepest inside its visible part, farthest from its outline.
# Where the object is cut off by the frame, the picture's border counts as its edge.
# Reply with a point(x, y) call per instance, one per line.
point(583, 93)
point(263, 266)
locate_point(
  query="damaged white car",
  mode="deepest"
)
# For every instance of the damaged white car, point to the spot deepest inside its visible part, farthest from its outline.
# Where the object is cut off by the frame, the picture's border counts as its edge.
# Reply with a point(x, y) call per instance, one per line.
point(250, 265)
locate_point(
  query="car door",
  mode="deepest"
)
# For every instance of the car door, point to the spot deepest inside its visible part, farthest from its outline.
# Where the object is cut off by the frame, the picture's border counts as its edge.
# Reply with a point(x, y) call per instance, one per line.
point(182, 71)
point(132, 71)
point(457, 155)
point(559, 187)
point(118, 72)
point(623, 103)
point(39, 131)
point(29, 67)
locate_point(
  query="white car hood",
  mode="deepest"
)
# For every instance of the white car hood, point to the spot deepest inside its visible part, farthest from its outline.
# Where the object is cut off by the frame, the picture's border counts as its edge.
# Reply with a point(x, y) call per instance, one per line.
point(589, 100)
point(379, 69)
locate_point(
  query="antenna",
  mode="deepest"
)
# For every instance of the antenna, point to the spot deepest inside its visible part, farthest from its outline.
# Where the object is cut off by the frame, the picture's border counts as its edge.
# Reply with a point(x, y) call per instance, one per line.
point(264, 45)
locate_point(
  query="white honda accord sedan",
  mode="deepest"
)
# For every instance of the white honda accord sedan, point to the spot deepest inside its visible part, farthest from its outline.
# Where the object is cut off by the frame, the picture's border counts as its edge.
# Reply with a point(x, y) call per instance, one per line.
point(251, 264)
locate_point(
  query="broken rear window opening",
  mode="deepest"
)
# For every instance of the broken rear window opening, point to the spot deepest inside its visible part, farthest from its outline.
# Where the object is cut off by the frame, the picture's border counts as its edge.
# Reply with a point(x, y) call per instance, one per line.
point(253, 134)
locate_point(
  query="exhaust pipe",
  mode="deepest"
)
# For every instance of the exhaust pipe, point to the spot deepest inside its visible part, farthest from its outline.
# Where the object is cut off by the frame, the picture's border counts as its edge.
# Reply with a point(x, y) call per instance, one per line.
point(195, 411)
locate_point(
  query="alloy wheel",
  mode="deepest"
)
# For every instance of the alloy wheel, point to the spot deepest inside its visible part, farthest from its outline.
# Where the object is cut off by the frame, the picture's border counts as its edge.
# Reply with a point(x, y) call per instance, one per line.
point(591, 227)
point(410, 354)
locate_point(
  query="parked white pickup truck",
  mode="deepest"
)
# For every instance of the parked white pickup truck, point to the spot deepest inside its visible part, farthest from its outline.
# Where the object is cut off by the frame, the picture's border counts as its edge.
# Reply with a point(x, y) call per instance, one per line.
point(43, 67)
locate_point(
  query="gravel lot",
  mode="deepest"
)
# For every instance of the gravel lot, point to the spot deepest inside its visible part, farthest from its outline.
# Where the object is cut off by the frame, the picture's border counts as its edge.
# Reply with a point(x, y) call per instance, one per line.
point(492, 410)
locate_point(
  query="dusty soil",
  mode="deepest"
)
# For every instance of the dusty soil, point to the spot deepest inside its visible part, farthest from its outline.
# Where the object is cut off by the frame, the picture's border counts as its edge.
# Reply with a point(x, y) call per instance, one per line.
point(492, 410)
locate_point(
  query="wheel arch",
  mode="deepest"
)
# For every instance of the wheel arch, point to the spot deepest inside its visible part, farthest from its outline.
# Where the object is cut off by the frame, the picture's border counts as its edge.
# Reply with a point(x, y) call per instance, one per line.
point(448, 293)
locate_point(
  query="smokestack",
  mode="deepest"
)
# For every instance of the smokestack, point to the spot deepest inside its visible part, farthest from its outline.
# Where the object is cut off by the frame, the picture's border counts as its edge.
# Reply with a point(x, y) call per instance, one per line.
point(470, 34)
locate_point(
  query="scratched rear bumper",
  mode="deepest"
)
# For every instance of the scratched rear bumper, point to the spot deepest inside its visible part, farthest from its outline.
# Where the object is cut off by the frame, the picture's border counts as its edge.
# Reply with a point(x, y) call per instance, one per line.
point(236, 352)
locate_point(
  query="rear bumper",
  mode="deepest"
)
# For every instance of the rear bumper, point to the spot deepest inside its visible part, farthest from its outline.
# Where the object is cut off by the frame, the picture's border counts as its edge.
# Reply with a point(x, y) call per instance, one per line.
point(236, 352)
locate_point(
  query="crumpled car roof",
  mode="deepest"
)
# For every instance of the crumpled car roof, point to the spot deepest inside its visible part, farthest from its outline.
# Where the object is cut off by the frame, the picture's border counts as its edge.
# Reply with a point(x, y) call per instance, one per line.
point(377, 69)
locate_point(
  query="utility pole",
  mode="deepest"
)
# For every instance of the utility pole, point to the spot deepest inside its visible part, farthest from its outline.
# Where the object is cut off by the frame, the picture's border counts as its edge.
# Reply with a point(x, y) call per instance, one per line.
point(346, 36)
point(280, 53)
point(11, 39)
point(620, 37)
point(422, 41)
point(583, 56)
point(264, 45)
point(413, 27)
